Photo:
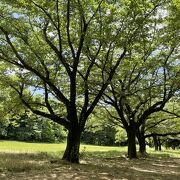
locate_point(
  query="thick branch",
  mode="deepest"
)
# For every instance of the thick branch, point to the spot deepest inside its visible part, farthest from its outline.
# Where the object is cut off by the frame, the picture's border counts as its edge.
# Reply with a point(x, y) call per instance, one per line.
point(154, 108)
point(157, 123)
point(47, 100)
point(58, 93)
point(68, 30)
point(55, 118)
point(55, 49)
point(104, 86)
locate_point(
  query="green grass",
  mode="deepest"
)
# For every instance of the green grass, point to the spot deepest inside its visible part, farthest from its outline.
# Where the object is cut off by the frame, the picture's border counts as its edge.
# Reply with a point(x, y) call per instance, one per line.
point(24, 147)
point(15, 146)
point(56, 150)
point(11, 146)
point(19, 160)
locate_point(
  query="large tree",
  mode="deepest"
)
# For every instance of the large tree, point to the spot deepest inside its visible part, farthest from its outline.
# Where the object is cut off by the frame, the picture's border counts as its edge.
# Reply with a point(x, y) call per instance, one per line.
point(149, 77)
point(67, 52)
point(62, 51)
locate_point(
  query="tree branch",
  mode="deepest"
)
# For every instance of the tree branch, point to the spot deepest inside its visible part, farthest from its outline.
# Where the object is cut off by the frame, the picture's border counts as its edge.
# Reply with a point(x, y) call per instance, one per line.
point(159, 134)
point(59, 94)
point(172, 113)
point(104, 86)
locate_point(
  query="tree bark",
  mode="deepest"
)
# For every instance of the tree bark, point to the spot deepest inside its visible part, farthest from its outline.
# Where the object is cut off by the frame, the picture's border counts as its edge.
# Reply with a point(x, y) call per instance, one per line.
point(140, 134)
point(131, 143)
point(159, 144)
point(155, 142)
point(142, 143)
point(71, 153)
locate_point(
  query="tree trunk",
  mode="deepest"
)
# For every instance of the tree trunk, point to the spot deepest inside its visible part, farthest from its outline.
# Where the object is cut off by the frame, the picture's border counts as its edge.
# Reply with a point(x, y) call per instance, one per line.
point(131, 143)
point(159, 144)
point(142, 144)
point(71, 153)
point(155, 142)
point(141, 139)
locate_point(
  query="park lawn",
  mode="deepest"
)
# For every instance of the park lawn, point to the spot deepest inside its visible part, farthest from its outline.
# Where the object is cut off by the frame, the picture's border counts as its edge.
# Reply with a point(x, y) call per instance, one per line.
point(21, 160)
point(17, 146)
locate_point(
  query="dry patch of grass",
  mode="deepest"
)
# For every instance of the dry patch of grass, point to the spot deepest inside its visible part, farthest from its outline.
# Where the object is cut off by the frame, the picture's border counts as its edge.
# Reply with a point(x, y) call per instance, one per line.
point(105, 165)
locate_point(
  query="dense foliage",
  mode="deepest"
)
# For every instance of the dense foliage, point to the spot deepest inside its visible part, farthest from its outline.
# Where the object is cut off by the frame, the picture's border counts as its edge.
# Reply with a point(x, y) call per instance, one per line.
point(61, 58)
point(34, 129)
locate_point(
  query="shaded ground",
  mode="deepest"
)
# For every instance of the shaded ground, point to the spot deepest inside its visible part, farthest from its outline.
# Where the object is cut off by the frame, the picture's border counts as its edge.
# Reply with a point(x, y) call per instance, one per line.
point(95, 165)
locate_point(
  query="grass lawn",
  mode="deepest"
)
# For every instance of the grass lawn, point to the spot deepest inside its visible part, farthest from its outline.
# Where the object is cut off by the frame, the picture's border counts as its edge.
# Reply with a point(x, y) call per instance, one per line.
point(20, 160)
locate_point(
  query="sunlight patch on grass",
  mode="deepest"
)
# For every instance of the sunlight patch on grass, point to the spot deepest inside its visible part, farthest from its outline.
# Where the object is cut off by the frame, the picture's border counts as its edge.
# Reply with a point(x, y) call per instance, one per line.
point(93, 148)
point(21, 147)
point(164, 153)
point(143, 170)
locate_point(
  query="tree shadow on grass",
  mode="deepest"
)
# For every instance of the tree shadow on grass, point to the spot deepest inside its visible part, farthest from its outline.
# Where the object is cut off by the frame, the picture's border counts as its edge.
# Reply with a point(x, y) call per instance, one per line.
point(94, 165)
point(118, 168)
point(114, 165)
point(23, 162)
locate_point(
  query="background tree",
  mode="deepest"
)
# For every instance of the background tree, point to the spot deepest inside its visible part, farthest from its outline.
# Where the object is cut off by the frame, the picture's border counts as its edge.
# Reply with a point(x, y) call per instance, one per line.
point(163, 124)
point(28, 127)
point(99, 130)
point(149, 77)
point(121, 137)
point(9, 105)
point(136, 99)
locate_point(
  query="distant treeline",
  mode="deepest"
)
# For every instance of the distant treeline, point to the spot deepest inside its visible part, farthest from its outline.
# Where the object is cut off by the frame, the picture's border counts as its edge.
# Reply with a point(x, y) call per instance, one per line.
point(36, 129)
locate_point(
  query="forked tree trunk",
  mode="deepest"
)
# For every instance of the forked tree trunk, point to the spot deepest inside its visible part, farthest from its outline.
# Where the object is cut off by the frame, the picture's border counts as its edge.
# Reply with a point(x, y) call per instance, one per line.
point(71, 153)
point(131, 143)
